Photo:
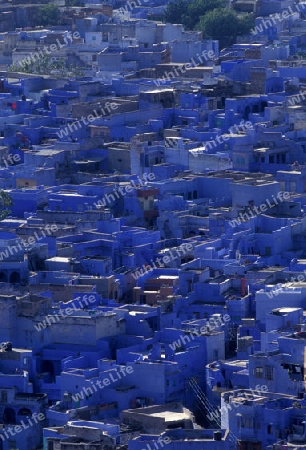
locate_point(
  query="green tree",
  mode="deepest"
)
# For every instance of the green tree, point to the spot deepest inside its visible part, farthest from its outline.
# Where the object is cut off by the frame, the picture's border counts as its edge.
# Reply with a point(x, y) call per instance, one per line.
point(175, 11)
point(188, 13)
point(75, 71)
point(49, 15)
point(5, 200)
point(301, 54)
point(47, 66)
point(225, 25)
point(199, 8)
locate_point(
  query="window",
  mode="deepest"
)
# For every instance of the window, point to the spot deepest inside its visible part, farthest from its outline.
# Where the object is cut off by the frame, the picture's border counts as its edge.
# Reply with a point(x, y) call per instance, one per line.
point(258, 372)
point(3, 396)
point(269, 373)
point(248, 422)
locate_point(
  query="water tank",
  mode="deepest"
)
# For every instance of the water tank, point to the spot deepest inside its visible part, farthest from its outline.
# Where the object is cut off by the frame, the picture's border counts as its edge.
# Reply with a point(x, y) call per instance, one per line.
point(73, 413)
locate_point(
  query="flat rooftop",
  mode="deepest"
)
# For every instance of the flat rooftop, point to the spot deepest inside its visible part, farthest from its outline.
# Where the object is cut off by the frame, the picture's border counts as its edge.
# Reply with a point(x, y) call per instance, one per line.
point(169, 416)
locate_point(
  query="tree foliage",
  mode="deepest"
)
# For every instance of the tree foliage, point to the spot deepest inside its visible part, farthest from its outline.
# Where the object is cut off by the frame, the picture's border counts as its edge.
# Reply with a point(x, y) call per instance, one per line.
point(175, 11)
point(47, 66)
point(225, 25)
point(48, 15)
point(188, 13)
point(5, 200)
point(212, 17)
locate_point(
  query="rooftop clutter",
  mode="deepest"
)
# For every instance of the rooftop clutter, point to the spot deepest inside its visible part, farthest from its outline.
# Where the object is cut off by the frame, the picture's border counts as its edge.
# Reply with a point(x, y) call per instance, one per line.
point(152, 249)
